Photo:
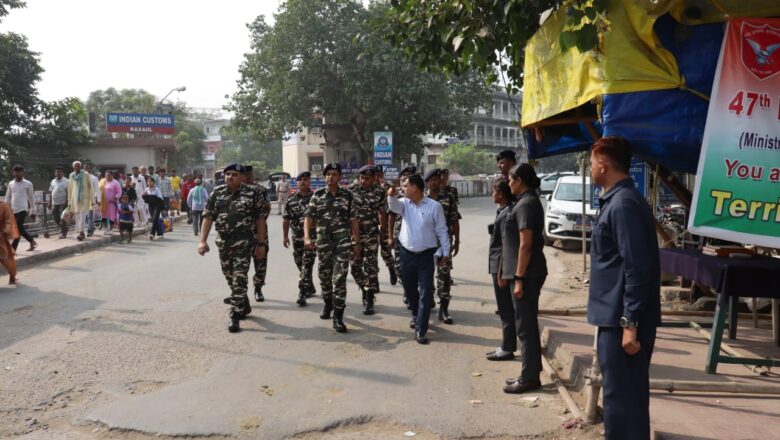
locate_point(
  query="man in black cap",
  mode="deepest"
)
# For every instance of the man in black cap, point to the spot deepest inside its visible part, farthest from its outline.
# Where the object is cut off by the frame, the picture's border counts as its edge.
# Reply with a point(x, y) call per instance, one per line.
point(384, 248)
point(238, 214)
point(292, 215)
point(506, 160)
point(452, 217)
point(369, 210)
point(261, 264)
point(446, 188)
point(394, 225)
point(328, 214)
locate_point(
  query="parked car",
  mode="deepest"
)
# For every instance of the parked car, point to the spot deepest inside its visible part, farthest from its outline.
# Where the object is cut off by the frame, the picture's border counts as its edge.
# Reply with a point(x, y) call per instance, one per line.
point(550, 179)
point(563, 214)
point(271, 184)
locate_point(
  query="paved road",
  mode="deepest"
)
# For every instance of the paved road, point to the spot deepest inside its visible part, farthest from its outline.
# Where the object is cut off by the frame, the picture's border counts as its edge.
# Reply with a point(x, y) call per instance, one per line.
point(134, 338)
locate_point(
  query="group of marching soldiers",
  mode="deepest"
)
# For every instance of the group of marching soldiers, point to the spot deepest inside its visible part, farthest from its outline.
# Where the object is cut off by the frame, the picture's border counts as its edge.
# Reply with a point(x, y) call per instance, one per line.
point(344, 228)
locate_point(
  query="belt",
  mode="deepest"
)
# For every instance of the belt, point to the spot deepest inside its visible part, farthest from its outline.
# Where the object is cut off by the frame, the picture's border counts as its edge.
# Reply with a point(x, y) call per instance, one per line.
point(431, 250)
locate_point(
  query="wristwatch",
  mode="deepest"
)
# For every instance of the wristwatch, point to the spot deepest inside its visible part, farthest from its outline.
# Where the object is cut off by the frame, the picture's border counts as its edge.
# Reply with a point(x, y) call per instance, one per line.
point(624, 322)
point(520, 277)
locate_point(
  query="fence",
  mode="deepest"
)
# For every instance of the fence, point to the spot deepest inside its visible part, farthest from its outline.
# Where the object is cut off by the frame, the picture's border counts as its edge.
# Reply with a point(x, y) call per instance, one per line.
point(473, 188)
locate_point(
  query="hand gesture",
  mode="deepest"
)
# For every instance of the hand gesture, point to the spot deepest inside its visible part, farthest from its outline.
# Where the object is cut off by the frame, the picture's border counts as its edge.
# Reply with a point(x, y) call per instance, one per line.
point(455, 247)
point(203, 247)
point(392, 191)
point(286, 242)
point(502, 283)
point(443, 261)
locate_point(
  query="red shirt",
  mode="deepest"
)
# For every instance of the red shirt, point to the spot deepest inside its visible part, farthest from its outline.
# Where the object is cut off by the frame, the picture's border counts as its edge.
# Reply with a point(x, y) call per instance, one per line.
point(186, 187)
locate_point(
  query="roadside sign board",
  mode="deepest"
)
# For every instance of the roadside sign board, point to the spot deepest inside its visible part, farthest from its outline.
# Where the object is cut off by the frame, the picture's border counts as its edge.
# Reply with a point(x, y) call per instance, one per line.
point(383, 147)
point(391, 172)
point(140, 123)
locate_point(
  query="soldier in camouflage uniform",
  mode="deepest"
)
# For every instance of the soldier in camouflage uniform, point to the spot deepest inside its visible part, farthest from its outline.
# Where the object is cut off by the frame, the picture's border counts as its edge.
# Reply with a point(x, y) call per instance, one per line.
point(369, 209)
point(394, 225)
point(384, 247)
point(261, 264)
point(451, 214)
point(293, 218)
point(238, 214)
point(328, 214)
point(448, 189)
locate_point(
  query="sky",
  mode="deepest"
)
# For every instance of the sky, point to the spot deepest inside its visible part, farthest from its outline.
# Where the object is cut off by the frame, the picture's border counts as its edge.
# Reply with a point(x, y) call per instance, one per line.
point(156, 45)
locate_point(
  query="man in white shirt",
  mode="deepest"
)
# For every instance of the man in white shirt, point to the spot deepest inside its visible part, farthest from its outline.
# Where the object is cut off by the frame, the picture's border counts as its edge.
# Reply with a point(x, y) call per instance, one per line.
point(141, 212)
point(59, 199)
point(98, 197)
point(423, 238)
point(21, 197)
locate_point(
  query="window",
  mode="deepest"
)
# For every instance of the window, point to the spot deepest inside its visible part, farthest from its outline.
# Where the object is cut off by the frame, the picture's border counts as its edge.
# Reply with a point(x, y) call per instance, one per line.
point(496, 110)
point(506, 109)
point(511, 134)
point(506, 133)
point(490, 131)
point(432, 159)
point(480, 130)
point(315, 163)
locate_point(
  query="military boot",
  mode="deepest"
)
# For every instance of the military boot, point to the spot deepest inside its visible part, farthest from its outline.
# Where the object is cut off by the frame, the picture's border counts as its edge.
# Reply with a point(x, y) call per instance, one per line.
point(259, 294)
point(301, 298)
point(311, 291)
point(393, 277)
point(327, 309)
point(247, 308)
point(444, 312)
point(338, 321)
point(368, 304)
point(233, 326)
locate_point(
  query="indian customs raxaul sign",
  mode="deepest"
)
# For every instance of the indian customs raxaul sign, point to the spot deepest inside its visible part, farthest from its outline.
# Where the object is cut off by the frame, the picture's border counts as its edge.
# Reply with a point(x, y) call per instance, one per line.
point(737, 194)
point(139, 123)
point(383, 147)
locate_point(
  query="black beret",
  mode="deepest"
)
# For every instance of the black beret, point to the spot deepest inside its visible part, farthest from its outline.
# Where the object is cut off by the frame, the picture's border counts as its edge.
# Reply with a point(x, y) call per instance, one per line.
point(379, 169)
point(434, 172)
point(233, 167)
point(331, 166)
point(366, 170)
point(506, 154)
point(303, 175)
point(411, 169)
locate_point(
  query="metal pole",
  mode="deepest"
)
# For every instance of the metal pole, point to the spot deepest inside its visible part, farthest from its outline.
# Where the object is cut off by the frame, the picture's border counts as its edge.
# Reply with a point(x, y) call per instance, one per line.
point(584, 217)
point(593, 380)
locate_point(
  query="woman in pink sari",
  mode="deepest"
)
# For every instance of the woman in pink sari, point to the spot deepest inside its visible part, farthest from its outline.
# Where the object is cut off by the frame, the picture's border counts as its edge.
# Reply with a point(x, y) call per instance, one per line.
point(112, 191)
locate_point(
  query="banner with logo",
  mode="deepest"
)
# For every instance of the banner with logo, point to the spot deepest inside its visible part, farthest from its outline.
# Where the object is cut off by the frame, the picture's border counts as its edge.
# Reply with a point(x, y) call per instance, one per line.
point(140, 123)
point(383, 147)
point(737, 194)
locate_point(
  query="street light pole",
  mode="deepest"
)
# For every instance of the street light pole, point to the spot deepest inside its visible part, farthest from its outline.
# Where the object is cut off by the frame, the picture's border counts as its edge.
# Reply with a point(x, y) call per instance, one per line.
point(176, 89)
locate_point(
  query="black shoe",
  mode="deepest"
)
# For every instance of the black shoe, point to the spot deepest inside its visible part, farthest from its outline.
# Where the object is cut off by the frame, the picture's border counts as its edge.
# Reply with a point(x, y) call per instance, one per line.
point(310, 292)
point(338, 321)
point(443, 311)
point(247, 309)
point(421, 339)
point(393, 277)
point(512, 380)
point(368, 305)
point(301, 299)
point(520, 387)
point(326, 310)
point(413, 323)
point(259, 294)
point(494, 357)
point(233, 326)
point(497, 312)
point(406, 300)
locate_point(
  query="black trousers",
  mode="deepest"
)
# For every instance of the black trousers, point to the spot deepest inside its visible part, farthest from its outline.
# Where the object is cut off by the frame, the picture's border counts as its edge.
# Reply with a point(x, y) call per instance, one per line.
point(626, 383)
point(56, 213)
point(19, 217)
point(527, 324)
point(506, 311)
point(417, 277)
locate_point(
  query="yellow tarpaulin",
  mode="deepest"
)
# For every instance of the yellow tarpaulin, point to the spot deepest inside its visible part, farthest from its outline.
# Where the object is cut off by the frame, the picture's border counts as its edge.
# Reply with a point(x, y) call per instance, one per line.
point(631, 57)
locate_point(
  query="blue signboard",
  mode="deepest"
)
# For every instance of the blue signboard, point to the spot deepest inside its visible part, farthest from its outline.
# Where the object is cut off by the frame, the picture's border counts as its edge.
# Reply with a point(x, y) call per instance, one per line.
point(638, 172)
point(139, 123)
point(383, 147)
point(391, 172)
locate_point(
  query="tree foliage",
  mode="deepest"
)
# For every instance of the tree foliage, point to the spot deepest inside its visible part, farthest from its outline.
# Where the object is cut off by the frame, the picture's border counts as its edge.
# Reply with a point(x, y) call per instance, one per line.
point(245, 147)
point(486, 35)
point(467, 160)
point(326, 55)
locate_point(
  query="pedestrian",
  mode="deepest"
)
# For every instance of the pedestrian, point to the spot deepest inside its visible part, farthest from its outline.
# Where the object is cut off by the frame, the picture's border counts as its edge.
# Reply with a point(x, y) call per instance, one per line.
point(524, 269)
point(139, 181)
point(196, 200)
point(126, 211)
point(58, 201)
point(424, 239)
point(129, 190)
point(8, 231)
point(238, 214)
point(293, 218)
point(260, 264)
point(164, 184)
point(153, 175)
point(93, 216)
point(502, 196)
point(21, 197)
point(394, 228)
point(111, 192)
point(153, 198)
point(176, 187)
point(329, 213)
point(452, 216)
point(282, 192)
point(448, 189)
point(81, 198)
point(381, 187)
point(186, 186)
point(624, 292)
point(506, 160)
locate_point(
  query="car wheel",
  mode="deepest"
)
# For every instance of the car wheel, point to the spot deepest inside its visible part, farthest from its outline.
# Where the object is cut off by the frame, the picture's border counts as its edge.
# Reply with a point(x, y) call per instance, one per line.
point(547, 240)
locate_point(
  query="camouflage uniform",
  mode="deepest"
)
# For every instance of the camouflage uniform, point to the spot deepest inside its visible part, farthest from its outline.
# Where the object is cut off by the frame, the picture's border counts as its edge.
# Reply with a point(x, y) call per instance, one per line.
point(385, 251)
point(366, 206)
point(234, 215)
point(396, 232)
point(304, 258)
point(331, 212)
point(261, 264)
point(452, 191)
point(451, 215)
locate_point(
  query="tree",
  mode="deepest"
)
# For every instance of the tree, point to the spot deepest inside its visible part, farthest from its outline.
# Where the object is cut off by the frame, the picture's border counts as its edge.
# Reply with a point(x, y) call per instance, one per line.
point(100, 102)
point(247, 148)
point(561, 162)
point(467, 160)
point(486, 35)
point(325, 55)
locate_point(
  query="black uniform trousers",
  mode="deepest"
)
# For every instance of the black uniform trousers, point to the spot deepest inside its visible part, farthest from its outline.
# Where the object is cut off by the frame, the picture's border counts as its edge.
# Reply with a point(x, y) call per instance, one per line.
point(626, 383)
point(20, 217)
point(527, 325)
point(506, 311)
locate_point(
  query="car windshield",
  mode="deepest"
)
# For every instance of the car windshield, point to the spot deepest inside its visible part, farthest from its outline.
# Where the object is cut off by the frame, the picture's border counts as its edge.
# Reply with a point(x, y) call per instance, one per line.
point(571, 192)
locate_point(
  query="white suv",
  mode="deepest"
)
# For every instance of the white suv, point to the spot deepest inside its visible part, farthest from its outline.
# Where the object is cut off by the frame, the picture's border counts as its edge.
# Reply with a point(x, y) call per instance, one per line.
point(563, 214)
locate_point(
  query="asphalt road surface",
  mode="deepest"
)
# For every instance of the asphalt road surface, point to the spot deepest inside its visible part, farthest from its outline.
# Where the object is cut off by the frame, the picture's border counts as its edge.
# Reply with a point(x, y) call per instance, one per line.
point(130, 342)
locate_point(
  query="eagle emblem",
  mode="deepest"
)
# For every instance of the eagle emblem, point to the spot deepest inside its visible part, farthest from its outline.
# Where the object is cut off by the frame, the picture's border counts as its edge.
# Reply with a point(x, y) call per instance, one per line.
point(760, 54)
